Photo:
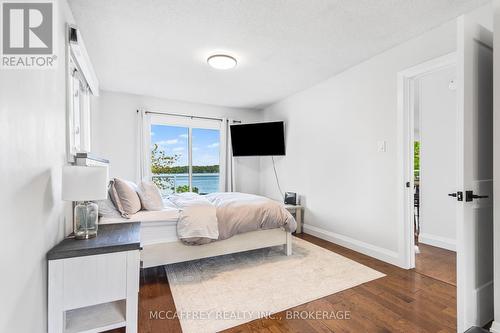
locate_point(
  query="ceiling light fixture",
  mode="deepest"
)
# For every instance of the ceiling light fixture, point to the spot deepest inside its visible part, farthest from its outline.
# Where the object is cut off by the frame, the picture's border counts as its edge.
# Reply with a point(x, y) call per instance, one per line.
point(222, 61)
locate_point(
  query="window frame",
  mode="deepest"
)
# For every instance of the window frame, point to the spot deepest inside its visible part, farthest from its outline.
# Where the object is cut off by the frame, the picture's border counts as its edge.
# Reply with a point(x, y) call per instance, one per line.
point(79, 72)
point(78, 111)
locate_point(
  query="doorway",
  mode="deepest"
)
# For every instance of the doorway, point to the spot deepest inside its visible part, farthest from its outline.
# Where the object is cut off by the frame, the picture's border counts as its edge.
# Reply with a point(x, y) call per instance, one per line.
point(435, 146)
point(410, 123)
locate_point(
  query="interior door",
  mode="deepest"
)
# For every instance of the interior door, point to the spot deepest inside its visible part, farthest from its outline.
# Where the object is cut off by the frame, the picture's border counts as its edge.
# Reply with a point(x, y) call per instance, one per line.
point(475, 174)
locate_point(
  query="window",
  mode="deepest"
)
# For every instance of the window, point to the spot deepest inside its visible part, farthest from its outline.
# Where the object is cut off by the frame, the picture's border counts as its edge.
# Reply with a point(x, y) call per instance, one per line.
point(184, 154)
point(82, 84)
point(79, 111)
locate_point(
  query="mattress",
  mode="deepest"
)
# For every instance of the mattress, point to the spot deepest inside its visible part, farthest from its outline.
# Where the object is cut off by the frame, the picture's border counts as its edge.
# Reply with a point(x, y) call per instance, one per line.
point(166, 215)
point(156, 226)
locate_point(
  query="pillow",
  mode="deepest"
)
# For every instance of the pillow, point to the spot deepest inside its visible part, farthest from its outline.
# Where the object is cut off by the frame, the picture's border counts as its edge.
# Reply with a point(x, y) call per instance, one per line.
point(124, 196)
point(185, 195)
point(168, 204)
point(189, 199)
point(107, 208)
point(150, 196)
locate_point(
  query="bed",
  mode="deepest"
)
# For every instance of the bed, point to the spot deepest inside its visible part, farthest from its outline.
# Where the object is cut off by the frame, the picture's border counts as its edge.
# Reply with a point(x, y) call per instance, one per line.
point(159, 230)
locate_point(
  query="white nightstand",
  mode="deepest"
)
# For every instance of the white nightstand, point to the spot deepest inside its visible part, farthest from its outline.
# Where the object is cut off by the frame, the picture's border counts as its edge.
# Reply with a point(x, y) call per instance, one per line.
point(297, 211)
point(94, 284)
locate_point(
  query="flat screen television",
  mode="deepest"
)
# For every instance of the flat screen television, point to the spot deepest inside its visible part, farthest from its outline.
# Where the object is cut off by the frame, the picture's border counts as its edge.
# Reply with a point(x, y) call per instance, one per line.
point(259, 139)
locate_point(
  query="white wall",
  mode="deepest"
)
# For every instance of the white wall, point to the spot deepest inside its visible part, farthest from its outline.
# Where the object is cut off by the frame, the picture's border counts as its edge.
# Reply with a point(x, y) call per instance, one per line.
point(114, 132)
point(32, 152)
point(437, 105)
point(350, 190)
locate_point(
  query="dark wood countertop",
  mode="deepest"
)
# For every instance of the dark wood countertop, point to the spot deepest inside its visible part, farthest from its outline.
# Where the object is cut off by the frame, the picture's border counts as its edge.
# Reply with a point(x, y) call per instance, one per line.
point(110, 238)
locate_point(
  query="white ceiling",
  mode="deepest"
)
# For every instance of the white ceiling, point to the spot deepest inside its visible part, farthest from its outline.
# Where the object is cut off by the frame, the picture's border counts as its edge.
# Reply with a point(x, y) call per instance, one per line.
point(159, 47)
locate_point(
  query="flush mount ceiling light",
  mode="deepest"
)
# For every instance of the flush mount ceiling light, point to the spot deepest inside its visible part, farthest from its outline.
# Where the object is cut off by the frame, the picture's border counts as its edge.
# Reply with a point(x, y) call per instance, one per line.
point(222, 61)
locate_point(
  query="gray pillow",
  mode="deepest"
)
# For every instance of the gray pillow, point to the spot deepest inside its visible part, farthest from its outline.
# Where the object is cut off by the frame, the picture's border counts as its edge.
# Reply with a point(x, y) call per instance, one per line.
point(124, 196)
point(150, 195)
point(107, 208)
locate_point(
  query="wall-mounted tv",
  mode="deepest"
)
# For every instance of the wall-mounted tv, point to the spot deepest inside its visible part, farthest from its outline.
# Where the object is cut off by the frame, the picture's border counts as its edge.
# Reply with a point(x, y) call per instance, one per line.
point(259, 139)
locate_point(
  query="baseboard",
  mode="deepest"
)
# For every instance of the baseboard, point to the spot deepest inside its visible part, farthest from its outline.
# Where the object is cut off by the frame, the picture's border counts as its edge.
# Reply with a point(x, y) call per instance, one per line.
point(438, 241)
point(391, 257)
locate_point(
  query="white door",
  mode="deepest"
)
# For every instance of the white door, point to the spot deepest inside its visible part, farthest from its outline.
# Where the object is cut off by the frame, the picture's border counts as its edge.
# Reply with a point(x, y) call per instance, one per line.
point(475, 173)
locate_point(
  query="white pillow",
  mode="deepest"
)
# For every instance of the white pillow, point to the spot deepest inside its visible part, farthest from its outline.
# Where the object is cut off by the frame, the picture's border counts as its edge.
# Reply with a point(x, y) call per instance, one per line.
point(183, 195)
point(150, 195)
point(188, 199)
point(168, 204)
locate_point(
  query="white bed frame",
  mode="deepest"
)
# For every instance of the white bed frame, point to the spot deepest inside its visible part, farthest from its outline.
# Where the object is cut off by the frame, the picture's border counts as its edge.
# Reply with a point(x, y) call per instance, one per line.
point(160, 245)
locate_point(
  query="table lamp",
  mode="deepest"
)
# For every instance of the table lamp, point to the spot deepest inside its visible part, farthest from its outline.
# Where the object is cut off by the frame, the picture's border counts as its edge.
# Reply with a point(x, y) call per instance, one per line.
point(82, 184)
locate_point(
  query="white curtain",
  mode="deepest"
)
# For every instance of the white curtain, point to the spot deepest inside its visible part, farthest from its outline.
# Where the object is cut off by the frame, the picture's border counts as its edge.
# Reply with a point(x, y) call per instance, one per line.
point(142, 144)
point(227, 165)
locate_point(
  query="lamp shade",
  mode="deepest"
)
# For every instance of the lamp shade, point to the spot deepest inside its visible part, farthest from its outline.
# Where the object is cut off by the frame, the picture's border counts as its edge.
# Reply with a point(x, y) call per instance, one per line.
point(84, 183)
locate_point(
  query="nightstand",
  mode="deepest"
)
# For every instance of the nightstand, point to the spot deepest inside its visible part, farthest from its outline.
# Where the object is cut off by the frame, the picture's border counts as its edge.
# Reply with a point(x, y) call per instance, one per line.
point(93, 284)
point(296, 210)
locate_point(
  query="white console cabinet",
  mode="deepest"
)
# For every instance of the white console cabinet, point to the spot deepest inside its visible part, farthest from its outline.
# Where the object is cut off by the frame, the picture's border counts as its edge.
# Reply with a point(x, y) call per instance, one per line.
point(93, 284)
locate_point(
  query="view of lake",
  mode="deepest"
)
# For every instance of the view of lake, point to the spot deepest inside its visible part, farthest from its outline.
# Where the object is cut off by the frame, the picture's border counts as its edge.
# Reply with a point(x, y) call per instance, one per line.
point(205, 182)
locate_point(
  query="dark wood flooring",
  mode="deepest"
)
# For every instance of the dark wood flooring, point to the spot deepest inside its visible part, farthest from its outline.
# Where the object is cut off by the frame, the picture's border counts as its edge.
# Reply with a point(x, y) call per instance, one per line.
point(402, 301)
point(437, 263)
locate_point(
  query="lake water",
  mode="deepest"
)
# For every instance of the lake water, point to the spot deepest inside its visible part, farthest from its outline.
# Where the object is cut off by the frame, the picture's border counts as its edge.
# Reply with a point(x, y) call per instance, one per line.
point(205, 182)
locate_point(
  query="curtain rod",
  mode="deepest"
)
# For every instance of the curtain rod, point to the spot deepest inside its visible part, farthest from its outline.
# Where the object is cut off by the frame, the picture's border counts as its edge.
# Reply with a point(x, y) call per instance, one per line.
point(187, 116)
point(182, 115)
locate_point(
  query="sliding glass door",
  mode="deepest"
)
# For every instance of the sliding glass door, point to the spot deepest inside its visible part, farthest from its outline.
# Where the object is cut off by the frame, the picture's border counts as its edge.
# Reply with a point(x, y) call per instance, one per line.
point(205, 160)
point(184, 154)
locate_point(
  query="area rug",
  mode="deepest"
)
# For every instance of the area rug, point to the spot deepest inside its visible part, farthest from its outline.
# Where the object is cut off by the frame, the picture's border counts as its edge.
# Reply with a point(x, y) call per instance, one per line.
point(217, 293)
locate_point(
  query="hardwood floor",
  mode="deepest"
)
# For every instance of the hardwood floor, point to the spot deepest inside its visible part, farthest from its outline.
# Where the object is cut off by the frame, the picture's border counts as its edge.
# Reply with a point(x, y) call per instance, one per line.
point(437, 263)
point(402, 301)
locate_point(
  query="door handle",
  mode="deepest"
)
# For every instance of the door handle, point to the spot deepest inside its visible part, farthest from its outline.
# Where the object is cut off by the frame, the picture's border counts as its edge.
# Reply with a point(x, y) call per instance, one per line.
point(469, 196)
point(459, 195)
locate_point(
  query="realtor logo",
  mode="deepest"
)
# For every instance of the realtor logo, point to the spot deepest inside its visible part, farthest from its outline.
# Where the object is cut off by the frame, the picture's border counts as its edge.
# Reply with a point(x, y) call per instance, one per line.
point(28, 35)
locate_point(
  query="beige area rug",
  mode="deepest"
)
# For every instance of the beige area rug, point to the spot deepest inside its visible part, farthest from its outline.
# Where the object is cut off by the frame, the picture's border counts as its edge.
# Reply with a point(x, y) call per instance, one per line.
point(222, 292)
